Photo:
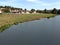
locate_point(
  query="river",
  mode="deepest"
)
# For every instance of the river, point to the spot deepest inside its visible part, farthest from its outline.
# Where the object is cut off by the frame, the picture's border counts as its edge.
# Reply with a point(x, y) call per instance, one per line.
point(39, 32)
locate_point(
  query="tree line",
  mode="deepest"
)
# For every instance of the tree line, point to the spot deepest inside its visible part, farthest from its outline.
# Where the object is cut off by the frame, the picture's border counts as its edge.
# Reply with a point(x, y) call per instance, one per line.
point(53, 11)
point(7, 9)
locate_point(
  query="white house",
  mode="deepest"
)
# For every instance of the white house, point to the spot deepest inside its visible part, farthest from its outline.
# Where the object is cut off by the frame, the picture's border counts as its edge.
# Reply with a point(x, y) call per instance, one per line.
point(34, 12)
point(0, 11)
point(27, 12)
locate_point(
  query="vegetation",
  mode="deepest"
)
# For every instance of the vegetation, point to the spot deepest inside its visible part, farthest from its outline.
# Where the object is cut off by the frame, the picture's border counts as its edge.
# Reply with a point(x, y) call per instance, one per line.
point(45, 10)
point(52, 11)
point(6, 10)
point(9, 7)
point(25, 10)
point(58, 12)
point(4, 27)
point(39, 11)
point(6, 20)
point(32, 10)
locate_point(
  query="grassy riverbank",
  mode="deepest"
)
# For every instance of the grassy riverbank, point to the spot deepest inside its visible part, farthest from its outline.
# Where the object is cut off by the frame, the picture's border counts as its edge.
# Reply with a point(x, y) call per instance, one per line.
point(6, 20)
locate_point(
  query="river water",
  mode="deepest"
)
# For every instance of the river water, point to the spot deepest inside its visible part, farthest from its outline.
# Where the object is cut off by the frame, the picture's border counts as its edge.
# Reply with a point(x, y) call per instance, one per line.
point(39, 32)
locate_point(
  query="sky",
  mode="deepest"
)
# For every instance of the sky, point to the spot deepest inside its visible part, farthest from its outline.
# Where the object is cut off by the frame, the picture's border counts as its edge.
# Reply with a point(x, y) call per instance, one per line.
point(29, 4)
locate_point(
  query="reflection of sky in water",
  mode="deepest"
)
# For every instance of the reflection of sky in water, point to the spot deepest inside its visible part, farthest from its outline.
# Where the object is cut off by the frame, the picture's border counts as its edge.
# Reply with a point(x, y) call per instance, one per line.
point(39, 32)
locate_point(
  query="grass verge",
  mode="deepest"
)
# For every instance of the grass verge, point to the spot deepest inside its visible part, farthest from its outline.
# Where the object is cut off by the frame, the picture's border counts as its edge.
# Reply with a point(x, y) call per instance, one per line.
point(6, 20)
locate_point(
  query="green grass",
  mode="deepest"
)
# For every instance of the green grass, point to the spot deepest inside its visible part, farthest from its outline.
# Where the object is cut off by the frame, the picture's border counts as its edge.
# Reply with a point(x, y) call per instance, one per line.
point(2, 28)
point(8, 19)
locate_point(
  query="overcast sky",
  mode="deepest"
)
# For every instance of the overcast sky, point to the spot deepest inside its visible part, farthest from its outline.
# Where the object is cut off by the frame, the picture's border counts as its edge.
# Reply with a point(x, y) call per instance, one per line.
point(29, 4)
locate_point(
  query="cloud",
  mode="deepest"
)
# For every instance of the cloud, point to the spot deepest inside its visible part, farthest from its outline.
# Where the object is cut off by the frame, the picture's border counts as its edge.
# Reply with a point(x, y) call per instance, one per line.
point(34, 3)
point(7, 2)
point(32, 0)
point(43, 3)
point(38, 2)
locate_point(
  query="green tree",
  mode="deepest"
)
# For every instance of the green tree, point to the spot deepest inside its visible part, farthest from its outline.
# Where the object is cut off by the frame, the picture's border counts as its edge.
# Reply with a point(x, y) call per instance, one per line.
point(6, 10)
point(25, 10)
point(58, 11)
point(32, 10)
point(38, 11)
point(7, 7)
point(45, 11)
point(1, 7)
point(20, 10)
point(54, 11)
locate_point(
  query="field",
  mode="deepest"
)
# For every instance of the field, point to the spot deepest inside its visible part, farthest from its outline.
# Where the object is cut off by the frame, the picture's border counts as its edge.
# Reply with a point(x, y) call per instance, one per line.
point(6, 20)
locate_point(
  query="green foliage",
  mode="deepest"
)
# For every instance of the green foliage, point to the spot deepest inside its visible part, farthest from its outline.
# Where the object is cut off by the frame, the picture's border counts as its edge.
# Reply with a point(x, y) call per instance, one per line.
point(6, 10)
point(32, 10)
point(6, 20)
point(9, 7)
point(4, 27)
point(25, 10)
point(58, 12)
point(45, 10)
point(39, 11)
point(54, 11)
point(1, 7)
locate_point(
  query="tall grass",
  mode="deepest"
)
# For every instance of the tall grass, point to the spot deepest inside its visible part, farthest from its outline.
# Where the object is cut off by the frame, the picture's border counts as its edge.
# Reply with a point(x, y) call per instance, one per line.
point(7, 19)
point(2, 28)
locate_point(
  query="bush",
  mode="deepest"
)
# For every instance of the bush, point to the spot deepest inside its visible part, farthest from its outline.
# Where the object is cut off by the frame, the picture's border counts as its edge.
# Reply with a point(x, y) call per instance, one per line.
point(6, 10)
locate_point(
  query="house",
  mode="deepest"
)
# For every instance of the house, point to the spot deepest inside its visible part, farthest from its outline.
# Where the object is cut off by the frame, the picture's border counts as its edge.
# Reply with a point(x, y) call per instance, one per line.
point(17, 11)
point(34, 12)
point(1, 10)
point(27, 12)
point(24, 12)
point(14, 11)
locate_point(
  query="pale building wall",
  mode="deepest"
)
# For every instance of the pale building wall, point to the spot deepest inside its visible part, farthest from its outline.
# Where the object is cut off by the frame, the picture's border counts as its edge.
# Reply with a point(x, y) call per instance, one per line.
point(22, 12)
point(34, 12)
point(0, 11)
point(27, 13)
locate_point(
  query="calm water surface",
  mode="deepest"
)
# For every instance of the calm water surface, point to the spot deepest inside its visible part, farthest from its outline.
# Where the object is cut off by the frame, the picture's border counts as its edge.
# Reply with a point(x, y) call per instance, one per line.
point(38, 32)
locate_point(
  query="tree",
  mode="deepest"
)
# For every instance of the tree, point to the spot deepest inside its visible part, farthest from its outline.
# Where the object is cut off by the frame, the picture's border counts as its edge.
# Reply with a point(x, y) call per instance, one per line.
point(54, 11)
point(38, 11)
point(1, 7)
point(32, 10)
point(7, 7)
point(20, 10)
point(25, 10)
point(6, 10)
point(45, 11)
point(58, 12)
point(12, 8)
